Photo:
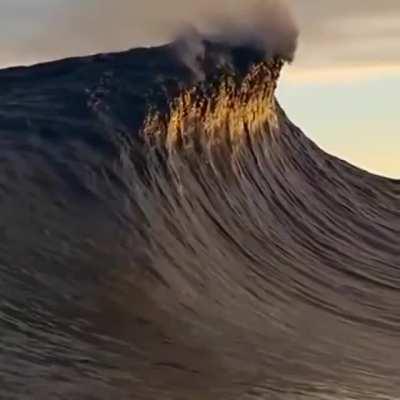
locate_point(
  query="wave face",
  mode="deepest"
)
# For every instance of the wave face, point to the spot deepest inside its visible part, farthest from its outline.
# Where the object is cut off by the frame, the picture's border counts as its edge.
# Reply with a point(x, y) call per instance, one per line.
point(163, 238)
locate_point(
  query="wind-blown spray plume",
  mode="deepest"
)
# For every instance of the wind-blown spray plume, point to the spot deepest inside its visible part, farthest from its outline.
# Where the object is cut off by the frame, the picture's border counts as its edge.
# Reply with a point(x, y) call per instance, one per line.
point(267, 27)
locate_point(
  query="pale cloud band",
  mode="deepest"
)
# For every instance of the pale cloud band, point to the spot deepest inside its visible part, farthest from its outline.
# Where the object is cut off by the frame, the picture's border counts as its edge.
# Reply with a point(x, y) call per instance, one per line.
point(325, 75)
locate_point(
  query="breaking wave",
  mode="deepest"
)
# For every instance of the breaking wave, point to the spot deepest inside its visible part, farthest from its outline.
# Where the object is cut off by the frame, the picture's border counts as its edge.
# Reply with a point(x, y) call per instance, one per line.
point(216, 254)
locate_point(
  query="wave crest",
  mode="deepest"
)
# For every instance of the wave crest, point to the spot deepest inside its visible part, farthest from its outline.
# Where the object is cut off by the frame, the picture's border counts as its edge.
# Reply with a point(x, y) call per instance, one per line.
point(225, 111)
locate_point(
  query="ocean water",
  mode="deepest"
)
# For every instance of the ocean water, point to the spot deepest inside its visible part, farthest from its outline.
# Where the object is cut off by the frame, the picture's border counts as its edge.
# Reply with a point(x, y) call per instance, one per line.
point(162, 238)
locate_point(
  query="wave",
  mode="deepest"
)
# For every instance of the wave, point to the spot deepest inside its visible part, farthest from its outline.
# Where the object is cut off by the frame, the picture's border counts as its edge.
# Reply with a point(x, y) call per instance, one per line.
point(217, 253)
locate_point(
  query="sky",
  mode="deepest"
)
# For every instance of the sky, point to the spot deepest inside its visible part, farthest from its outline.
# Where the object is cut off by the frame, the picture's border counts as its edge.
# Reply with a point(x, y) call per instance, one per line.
point(342, 88)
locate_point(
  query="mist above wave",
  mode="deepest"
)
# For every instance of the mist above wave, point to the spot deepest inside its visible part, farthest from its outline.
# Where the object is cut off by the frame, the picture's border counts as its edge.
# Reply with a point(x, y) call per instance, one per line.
point(266, 28)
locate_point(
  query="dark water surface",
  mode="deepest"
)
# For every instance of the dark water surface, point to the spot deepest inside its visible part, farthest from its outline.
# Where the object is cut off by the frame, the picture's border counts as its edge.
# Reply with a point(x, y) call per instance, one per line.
point(269, 270)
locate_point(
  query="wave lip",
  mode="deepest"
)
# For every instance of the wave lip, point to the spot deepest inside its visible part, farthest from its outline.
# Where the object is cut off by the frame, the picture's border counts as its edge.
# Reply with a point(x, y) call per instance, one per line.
point(221, 111)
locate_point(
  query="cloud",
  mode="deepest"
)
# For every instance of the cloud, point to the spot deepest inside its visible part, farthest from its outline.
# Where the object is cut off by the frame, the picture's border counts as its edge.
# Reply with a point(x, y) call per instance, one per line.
point(298, 76)
point(348, 32)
